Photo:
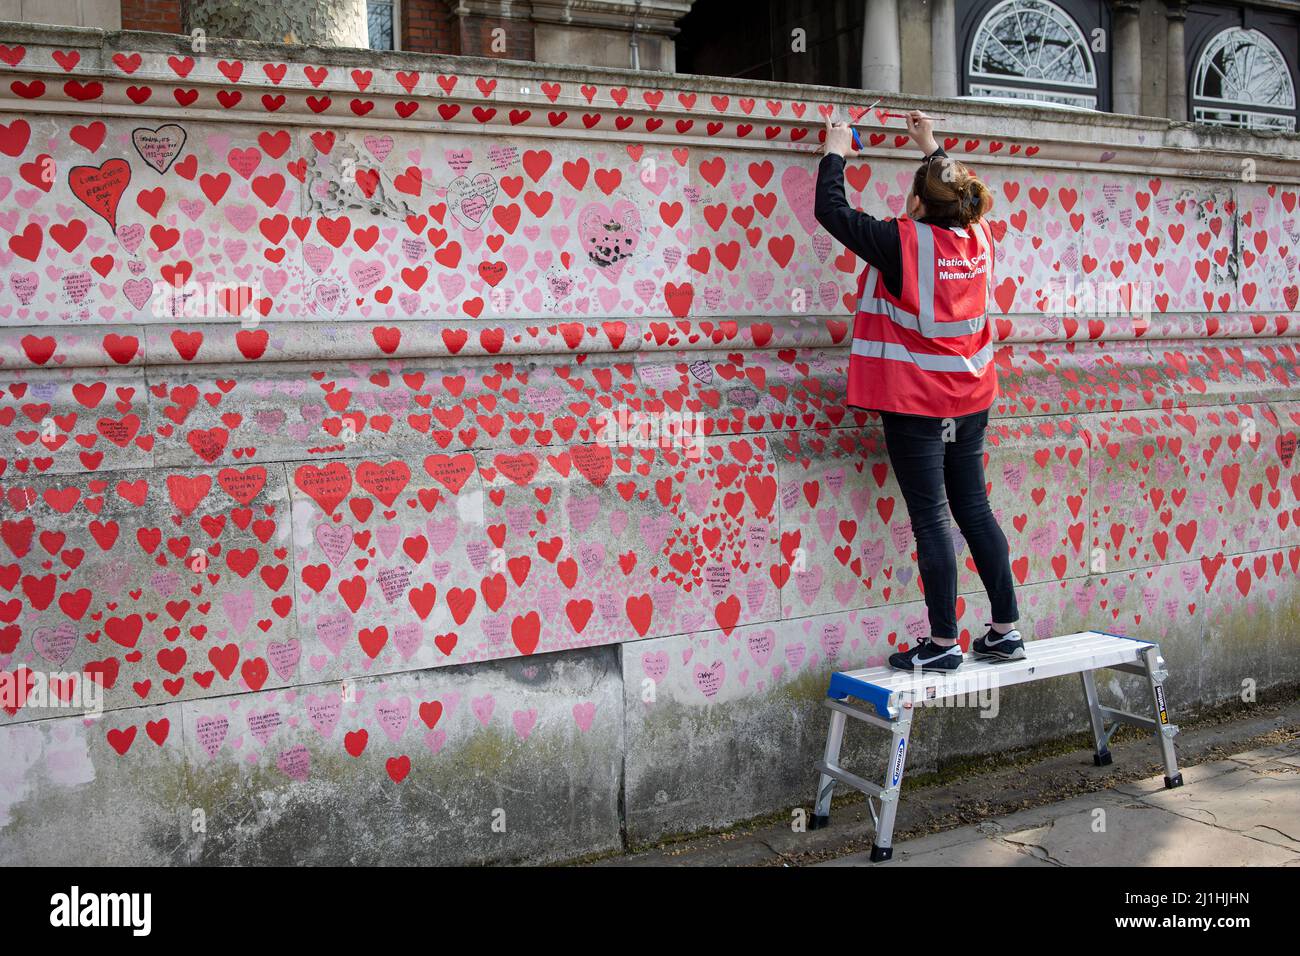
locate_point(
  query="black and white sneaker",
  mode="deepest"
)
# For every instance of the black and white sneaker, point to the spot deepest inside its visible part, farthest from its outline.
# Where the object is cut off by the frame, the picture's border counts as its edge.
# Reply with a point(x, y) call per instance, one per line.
point(929, 657)
point(999, 647)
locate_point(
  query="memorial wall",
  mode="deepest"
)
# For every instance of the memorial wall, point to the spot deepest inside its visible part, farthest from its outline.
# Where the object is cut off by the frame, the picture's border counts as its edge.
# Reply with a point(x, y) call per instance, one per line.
point(416, 459)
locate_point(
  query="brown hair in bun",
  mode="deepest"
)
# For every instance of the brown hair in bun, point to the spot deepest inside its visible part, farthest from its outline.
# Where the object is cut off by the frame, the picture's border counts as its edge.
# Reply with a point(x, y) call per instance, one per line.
point(950, 191)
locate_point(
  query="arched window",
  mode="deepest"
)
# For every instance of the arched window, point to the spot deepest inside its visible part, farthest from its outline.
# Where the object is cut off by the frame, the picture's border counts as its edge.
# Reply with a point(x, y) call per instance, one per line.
point(1032, 50)
point(1243, 80)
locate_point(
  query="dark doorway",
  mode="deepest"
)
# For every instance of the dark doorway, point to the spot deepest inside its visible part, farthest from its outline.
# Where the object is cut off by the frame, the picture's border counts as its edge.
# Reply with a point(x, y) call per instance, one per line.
point(757, 40)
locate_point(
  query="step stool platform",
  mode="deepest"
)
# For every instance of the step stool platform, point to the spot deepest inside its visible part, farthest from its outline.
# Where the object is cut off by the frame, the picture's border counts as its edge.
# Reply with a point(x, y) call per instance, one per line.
point(894, 697)
point(1067, 654)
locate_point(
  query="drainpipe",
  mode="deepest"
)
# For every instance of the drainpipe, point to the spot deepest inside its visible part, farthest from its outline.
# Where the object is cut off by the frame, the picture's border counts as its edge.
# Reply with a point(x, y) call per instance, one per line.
point(632, 44)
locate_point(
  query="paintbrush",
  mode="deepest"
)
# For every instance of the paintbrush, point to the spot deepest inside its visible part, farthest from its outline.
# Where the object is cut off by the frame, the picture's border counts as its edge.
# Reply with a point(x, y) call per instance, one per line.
point(890, 115)
point(886, 114)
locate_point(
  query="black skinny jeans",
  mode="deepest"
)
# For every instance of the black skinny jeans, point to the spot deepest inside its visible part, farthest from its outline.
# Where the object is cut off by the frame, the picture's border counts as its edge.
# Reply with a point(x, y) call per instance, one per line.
point(925, 465)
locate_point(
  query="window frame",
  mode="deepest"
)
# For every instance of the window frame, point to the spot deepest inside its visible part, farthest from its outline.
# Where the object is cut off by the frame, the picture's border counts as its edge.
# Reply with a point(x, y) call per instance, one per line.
point(397, 26)
point(1206, 22)
point(1086, 15)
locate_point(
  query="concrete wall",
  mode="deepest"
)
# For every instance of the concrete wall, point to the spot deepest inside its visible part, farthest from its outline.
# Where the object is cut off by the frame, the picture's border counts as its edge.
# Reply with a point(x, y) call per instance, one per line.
point(351, 552)
point(602, 47)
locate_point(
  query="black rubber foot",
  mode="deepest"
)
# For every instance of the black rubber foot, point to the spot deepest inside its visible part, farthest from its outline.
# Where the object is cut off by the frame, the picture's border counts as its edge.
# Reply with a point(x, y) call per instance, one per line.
point(879, 854)
point(1175, 781)
point(819, 822)
point(1102, 759)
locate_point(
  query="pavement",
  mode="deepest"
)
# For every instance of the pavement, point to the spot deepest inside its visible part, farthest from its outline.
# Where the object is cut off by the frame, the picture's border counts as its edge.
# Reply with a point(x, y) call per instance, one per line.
point(1242, 811)
point(1239, 806)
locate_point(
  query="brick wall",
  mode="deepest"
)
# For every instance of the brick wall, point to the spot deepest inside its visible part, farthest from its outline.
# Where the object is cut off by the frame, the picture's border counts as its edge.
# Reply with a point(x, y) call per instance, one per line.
point(161, 16)
point(428, 27)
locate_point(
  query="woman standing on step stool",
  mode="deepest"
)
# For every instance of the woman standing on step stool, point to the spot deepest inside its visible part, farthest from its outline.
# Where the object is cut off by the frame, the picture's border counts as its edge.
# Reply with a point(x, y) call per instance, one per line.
point(922, 357)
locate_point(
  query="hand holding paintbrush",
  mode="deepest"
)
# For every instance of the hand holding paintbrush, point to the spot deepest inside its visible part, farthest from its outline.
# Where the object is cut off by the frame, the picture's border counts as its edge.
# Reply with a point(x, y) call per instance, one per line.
point(890, 114)
point(919, 127)
point(886, 114)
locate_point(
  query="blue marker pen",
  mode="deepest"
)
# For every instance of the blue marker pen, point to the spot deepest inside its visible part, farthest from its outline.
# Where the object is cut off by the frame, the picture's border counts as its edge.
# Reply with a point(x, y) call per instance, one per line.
point(857, 140)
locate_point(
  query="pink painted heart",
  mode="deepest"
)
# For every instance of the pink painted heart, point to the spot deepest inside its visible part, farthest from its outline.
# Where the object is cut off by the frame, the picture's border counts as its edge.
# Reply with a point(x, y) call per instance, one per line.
point(799, 187)
point(610, 236)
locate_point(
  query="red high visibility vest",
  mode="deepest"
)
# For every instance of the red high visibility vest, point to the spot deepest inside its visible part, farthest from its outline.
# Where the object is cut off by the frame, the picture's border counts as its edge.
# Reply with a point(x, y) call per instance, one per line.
point(928, 350)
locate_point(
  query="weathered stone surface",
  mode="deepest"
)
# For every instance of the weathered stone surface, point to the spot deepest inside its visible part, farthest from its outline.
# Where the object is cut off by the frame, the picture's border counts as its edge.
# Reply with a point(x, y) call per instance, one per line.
point(1140, 823)
point(78, 792)
point(69, 421)
point(748, 708)
point(976, 852)
point(156, 585)
point(1250, 640)
point(1202, 481)
point(511, 761)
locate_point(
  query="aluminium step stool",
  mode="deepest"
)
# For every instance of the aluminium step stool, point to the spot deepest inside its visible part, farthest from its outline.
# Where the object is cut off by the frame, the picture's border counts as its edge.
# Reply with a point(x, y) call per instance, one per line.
point(895, 694)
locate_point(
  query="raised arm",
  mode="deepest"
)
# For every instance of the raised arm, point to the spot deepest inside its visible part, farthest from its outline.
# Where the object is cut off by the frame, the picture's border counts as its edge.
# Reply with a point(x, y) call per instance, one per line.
point(873, 240)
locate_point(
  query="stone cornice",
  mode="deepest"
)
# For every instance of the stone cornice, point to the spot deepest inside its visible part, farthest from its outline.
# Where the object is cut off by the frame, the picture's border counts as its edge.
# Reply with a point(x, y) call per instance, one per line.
point(651, 16)
point(79, 71)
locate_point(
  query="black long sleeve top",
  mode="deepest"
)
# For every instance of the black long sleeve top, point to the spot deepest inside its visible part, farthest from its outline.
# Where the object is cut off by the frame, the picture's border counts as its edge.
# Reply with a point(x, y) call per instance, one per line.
point(873, 240)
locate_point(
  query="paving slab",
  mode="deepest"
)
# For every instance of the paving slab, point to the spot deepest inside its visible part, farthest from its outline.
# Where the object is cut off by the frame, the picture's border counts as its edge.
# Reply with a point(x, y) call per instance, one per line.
point(1287, 749)
point(1262, 802)
point(1191, 775)
point(1140, 834)
point(1032, 817)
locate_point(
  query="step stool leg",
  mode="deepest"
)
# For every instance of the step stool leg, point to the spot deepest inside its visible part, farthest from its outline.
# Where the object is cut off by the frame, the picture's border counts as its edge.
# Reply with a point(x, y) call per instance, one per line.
point(883, 847)
point(825, 782)
point(1101, 753)
point(1165, 731)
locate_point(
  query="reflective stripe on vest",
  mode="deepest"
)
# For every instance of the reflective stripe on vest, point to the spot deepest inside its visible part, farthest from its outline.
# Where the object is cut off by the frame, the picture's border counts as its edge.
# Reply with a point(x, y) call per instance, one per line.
point(872, 348)
point(924, 323)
